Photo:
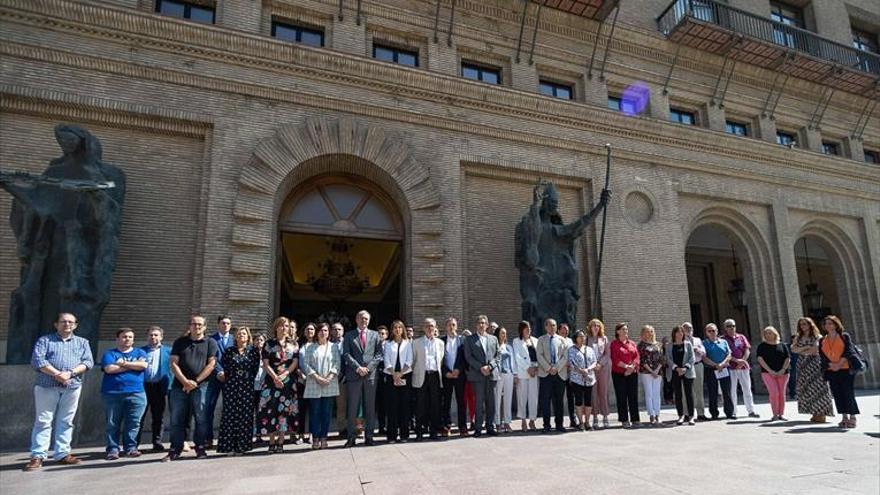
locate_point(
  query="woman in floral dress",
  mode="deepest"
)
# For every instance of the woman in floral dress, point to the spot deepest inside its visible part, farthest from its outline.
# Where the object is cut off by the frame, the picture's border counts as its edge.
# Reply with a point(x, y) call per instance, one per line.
point(240, 365)
point(278, 401)
point(813, 394)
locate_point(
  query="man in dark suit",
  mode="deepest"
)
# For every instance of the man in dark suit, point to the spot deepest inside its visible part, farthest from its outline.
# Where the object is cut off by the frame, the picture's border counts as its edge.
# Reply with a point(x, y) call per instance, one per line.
point(362, 353)
point(454, 369)
point(157, 381)
point(481, 353)
point(224, 339)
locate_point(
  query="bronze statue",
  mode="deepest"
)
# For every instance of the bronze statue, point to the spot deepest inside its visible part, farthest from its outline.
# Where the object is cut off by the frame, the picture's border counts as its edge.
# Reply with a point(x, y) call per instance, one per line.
point(66, 222)
point(548, 274)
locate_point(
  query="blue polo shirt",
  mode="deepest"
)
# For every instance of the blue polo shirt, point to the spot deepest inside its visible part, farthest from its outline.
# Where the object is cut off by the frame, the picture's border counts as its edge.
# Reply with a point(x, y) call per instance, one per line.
point(716, 351)
point(127, 382)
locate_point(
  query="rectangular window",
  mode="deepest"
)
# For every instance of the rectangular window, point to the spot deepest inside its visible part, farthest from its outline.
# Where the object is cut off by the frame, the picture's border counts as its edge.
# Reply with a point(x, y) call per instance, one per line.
point(789, 16)
point(865, 41)
point(625, 105)
point(556, 90)
point(482, 73)
point(682, 116)
point(830, 148)
point(298, 34)
point(396, 55)
point(186, 10)
point(872, 156)
point(785, 139)
point(736, 128)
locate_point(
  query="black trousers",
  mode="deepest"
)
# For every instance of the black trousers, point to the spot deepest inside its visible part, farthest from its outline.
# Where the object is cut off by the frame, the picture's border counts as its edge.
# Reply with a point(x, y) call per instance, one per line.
point(397, 407)
point(451, 386)
point(157, 394)
point(303, 409)
point(842, 389)
point(428, 418)
point(569, 394)
point(626, 392)
point(683, 384)
point(381, 412)
point(712, 386)
point(550, 391)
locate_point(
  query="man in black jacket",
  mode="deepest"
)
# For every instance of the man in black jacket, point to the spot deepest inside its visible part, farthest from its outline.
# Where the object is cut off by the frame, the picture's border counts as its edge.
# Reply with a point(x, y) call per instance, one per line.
point(454, 368)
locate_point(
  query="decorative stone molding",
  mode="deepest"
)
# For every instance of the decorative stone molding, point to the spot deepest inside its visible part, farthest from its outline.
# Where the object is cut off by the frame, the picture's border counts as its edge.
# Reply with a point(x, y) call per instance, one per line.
point(320, 146)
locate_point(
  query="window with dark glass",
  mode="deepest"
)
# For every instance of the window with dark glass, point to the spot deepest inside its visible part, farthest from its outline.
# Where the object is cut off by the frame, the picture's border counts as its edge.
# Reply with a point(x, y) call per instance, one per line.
point(682, 116)
point(830, 148)
point(203, 14)
point(785, 138)
point(482, 73)
point(788, 15)
point(736, 128)
point(298, 34)
point(556, 90)
point(865, 41)
point(620, 104)
point(872, 156)
point(396, 55)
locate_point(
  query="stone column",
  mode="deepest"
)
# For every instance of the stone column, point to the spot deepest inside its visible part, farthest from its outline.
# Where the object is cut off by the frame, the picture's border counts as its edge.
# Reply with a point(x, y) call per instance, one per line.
point(852, 148)
point(812, 139)
point(242, 16)
point(715, 117)
point(784, 247)
point(658, 106)
point(595, 91)
point(442, 58)
point(348, 36)
point(765, 129)
point(524, 76)
point(830, 19)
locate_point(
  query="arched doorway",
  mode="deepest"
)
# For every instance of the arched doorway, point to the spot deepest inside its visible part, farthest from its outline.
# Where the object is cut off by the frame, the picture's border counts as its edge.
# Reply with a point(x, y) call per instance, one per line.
point(817, 278)
point(339, 251)
point(718, 275)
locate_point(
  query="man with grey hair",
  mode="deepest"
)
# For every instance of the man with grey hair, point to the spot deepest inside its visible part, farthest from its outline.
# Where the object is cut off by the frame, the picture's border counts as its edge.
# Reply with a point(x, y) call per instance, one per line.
point(717, 361)
point(699, 353)
point(337, 331)
point(362, 354)
point(740, 370)
point(428, 354)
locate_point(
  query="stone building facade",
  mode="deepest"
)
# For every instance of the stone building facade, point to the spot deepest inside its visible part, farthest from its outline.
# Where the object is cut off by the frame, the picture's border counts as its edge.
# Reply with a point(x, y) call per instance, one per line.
point(219, 125)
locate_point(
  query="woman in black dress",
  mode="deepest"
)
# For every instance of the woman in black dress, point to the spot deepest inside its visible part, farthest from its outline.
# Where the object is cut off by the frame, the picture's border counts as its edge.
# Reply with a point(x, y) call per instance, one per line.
point(240, 365)
point(278, 404)
point(307, 337)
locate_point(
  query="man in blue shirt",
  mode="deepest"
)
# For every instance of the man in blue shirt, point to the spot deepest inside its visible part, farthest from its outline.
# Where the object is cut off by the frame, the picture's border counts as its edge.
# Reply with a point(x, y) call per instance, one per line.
point(123, 392)
point(224, 340)
point(716, 362)
point(60, 358)
point(157, 381)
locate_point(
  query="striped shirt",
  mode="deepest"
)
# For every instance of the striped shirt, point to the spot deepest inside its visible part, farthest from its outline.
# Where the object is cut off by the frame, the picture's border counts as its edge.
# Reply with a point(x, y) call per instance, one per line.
point(63, 355)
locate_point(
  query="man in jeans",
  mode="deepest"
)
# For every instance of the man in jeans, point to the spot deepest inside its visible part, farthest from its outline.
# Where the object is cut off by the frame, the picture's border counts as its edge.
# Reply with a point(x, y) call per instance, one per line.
point(192, 360)
point(716, 362)
point(123, 392)
point(740, 371)
point(61, 358)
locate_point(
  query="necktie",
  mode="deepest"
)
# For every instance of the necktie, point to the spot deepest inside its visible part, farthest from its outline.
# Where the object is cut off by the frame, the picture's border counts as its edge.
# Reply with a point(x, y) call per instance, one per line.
point(363, 339)
point(552, 352)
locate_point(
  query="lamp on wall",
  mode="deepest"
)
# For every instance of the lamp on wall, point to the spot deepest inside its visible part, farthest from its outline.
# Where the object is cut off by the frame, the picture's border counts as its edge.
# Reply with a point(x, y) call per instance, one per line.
point(813, 297)
point(737, 290)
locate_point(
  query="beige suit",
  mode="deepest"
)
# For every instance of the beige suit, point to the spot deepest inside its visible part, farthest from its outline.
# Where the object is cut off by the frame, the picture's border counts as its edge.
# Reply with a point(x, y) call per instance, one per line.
point(419, 358)
point(560, 348)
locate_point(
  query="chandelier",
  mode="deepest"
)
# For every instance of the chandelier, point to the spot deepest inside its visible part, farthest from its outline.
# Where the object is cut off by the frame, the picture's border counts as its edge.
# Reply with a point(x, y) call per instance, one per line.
point(339, 279)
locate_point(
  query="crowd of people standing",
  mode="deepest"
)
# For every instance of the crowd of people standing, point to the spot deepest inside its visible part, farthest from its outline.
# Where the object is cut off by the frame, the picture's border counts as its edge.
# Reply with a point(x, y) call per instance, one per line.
point(402, 387)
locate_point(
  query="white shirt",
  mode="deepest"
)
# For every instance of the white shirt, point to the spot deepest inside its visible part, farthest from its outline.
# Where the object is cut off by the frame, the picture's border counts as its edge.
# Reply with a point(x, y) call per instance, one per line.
point(699, 350)
point(430, 356)
point(390, 352)
point(484, 341)
point(452, 344)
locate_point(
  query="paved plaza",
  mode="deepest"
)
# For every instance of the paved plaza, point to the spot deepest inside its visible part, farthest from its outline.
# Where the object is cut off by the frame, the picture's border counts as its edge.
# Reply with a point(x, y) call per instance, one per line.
point(745, 457)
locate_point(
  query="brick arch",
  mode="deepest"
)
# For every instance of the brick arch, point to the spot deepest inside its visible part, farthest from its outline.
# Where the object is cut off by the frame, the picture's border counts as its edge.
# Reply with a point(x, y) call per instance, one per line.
point(759, 268)
point(859, 309)
point(325, 146)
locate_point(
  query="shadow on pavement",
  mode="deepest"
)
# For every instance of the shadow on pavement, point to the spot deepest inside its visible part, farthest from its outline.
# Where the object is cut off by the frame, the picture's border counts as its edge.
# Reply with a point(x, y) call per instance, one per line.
point(817, 429)
point(787, 423)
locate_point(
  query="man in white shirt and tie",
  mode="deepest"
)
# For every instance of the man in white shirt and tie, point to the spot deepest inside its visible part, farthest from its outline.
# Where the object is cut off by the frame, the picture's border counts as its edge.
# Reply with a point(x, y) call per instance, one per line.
point(428, 353)
point(362, 355)
point(552, 373)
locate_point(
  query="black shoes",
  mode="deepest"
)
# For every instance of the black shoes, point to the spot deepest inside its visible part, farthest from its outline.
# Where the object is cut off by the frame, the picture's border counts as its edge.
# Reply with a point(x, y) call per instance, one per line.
point(369, 442)
point(349, 443)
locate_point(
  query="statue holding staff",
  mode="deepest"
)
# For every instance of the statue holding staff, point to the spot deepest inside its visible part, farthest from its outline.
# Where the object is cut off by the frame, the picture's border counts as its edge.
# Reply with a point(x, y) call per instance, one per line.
point(66, 222)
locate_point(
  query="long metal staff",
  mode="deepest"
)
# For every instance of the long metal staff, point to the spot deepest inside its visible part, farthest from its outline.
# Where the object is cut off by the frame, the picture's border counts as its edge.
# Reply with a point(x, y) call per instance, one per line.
point(598, 295)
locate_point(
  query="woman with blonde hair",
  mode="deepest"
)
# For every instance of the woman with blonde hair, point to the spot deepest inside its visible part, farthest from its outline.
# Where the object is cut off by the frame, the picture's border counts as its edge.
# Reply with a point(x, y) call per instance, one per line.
point(651, 363)
point(837, 352)
point(813, 394)
point(278, 400)
point(597, 341)
point(775, 360)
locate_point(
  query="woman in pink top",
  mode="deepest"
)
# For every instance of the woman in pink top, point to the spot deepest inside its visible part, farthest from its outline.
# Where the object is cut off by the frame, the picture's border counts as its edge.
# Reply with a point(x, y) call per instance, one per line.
point(625, 376)
point(597, 340)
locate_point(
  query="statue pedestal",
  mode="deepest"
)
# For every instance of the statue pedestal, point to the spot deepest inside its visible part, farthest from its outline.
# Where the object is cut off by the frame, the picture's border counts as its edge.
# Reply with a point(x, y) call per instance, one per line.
point(17, 409)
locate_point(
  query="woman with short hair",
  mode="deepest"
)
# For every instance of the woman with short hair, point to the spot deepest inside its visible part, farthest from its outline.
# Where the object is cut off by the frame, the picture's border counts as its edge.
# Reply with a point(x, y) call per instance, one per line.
point(321, 368)
point(813, 394)
point(240, 364)
point(680, 372)
point(837, 351)
point(625, 376)
point(525, 375)
point(597, 340)
point(582, 377)
point(650, 365)
point(775, 360)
